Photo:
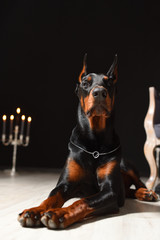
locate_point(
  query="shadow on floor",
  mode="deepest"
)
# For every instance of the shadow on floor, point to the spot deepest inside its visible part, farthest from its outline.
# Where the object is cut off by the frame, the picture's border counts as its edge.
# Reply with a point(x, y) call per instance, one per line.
point(131, 207)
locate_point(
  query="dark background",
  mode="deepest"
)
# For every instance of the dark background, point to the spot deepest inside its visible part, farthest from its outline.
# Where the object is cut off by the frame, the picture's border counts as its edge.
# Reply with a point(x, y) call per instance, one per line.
point(42, 44)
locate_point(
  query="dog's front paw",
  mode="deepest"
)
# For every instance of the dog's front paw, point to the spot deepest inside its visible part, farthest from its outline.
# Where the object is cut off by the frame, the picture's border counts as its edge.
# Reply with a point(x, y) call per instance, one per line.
point(31, 217)
point(58, 218)
point(54, 218)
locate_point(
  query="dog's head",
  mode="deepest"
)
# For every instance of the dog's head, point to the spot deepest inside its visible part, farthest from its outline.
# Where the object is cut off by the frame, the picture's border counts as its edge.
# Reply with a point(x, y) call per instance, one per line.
point(96, 92)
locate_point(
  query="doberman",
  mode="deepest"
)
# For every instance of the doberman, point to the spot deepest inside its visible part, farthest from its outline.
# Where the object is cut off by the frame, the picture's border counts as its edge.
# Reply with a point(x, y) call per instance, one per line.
point(94, 171)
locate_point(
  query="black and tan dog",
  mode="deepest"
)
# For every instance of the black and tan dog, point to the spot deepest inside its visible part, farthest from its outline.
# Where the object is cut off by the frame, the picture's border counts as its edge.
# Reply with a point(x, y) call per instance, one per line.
point(94, 170)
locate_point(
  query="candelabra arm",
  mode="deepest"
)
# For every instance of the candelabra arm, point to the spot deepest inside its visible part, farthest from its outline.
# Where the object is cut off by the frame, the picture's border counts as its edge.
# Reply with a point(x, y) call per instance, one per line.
point(4, 141)
point(25, 142)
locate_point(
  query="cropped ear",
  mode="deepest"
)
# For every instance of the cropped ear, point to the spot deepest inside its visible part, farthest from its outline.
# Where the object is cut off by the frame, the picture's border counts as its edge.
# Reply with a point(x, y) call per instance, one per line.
point(84, 69)
point(112, 73)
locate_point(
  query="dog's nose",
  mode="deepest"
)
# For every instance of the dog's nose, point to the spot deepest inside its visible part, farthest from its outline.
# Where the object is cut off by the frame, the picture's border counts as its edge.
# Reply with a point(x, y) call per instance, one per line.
point(99, 93)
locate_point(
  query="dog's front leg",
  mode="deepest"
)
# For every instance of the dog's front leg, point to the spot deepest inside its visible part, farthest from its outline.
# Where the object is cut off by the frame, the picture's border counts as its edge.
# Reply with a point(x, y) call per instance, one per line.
point(32, 217)
point(100, 203)
point(66, 188)
point(107, 200)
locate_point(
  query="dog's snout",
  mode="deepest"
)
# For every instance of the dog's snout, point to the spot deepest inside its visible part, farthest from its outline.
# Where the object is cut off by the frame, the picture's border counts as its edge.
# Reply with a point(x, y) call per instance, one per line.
point(99, 93)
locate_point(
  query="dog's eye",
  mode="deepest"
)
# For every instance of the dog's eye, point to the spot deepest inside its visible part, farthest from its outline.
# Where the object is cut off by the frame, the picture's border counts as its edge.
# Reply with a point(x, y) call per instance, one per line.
point(85, 84)
point(108, 82)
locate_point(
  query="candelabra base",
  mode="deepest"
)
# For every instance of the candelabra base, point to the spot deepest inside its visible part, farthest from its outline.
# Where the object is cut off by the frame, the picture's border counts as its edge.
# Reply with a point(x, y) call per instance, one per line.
point(10, 172)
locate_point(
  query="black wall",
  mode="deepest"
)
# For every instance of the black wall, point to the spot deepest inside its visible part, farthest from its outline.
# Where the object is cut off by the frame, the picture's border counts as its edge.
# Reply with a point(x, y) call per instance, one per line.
point(42, 45)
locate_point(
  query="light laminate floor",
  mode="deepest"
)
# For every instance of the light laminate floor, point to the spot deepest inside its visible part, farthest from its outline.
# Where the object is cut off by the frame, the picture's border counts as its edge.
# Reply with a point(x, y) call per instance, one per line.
point(136, 220)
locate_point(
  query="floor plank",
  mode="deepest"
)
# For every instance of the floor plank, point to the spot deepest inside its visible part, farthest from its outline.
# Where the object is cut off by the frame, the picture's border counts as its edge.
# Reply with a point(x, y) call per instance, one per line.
point(136, 220)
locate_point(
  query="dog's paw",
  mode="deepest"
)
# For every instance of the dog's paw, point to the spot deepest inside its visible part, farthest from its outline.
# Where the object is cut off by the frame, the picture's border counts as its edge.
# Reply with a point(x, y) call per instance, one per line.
point(56, 218)
point(143, 194)
point(31, 217)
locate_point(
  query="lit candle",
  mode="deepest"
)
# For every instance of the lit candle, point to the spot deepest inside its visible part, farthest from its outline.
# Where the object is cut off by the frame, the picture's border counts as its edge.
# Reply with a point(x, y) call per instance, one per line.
point(18, 110)
point(11, 124)
point(29, 119)
point(4, 124)
point(22, 124)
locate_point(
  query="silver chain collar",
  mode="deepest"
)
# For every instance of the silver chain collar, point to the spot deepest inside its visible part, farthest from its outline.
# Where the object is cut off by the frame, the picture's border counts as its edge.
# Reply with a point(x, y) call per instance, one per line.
point(95, 154)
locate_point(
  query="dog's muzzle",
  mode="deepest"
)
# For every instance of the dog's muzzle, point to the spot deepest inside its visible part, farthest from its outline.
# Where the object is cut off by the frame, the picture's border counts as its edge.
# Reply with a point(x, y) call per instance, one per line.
point(99, 94)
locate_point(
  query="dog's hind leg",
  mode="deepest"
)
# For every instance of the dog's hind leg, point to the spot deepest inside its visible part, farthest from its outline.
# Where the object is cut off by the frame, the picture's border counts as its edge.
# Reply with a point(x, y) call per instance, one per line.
point(131, 177)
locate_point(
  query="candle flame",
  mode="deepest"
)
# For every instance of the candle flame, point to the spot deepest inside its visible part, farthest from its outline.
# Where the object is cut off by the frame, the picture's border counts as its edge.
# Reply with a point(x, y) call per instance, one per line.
point(12, 117)
point(18, 110)
point(29, 119)
point(23, 117)
point(4, 117)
